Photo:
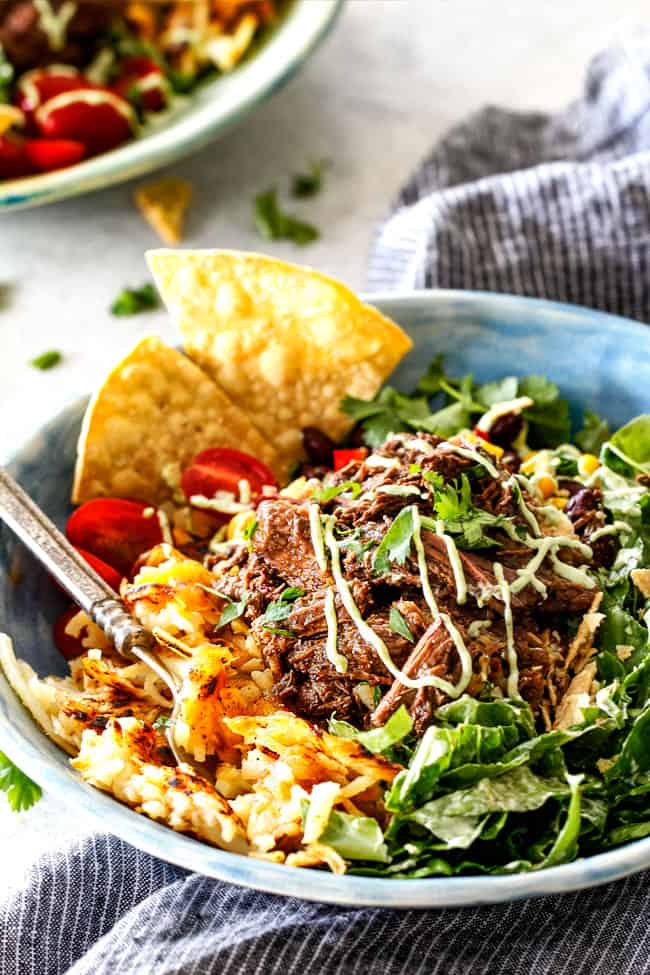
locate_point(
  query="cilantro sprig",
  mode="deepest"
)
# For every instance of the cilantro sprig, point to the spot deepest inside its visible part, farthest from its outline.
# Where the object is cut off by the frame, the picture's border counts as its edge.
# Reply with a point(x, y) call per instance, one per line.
point(47, 360)
point(20, 790)
point(273, 223)
point(278, 611)
point(232, 611)
point(398, 624)
point(131, 301)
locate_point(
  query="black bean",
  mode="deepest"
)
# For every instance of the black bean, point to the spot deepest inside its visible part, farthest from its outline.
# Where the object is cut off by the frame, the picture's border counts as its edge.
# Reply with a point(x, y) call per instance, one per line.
point(318, 446)
point(571, 487)
point(581, 502)
point(505, 430)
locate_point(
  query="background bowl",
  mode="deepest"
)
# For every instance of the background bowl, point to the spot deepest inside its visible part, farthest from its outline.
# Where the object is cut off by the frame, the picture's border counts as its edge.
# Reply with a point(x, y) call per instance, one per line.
point(210, 110)
point(599, 361)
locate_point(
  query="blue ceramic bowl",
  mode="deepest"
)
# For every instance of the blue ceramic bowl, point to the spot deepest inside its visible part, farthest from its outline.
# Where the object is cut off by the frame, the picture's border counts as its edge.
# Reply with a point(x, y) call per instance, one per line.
point(599, 361)
point(209, 111)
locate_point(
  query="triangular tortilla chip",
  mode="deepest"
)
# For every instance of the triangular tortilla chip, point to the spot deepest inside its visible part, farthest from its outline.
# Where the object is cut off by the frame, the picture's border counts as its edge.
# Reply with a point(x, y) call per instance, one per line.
point(285, 342)
point(163, 205)
point(155, 408)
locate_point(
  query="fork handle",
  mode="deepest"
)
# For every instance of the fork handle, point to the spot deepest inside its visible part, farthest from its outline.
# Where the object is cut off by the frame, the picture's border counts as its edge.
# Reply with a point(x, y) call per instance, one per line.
point(53, 550)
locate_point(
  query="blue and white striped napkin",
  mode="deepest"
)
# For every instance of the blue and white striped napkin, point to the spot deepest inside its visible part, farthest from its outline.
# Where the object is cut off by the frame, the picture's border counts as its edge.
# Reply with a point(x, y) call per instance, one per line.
point(552, 206)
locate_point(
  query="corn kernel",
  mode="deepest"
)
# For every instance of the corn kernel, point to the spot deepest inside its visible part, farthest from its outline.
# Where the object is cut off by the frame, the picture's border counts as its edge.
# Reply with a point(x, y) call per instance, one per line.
point(587, 465)
point(528, 466)
point(239, 523)
point(547, 486)
point(490, 448)
point(559, 503)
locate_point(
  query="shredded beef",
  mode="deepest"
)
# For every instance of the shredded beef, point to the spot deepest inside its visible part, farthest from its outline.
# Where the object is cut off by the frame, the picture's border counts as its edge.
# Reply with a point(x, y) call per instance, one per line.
point(282, 556)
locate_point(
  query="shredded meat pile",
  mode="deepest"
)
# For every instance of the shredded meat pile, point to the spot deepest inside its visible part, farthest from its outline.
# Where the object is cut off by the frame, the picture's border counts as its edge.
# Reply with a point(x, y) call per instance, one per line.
point(282, 556)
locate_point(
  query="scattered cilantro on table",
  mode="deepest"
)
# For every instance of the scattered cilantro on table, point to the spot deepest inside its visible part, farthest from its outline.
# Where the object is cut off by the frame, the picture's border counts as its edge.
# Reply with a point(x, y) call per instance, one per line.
point(131, 301)
point(310, 182)
point(47, 360)
point(20, 790)
point(274, 224)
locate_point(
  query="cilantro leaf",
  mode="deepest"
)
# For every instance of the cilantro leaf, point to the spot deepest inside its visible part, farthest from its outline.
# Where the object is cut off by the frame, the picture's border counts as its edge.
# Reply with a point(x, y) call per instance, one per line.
point(277, 631)
point(20, 790)
point(396, 543)
point(47, 360)
point(232, 612)
point(278, 610)
point(390, 412)
point(310, 182)
point(6, 76)
point(398, 624)
point(322, 495)
point(131, 301)
point(451, 503)
point(274, 224)
point(593, 434)
point(162, 721)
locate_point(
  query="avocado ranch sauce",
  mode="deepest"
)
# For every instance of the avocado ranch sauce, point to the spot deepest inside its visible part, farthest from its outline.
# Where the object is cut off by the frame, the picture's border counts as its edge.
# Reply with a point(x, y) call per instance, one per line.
point(544, 546)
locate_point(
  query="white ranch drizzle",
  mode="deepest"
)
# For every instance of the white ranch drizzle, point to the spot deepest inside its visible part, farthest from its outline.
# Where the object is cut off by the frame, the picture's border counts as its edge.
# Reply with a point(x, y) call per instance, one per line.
point(470, 454)
point(399, 490)
point(376, 460)
point(338, 660)
point(514, 482)
point(376, 642)
point(476, 627)
point(316, 530)
point(54, 24)
point(613, 529)
point(489, 418)
point(513, 661)
point(430, 599)
point(455, 562)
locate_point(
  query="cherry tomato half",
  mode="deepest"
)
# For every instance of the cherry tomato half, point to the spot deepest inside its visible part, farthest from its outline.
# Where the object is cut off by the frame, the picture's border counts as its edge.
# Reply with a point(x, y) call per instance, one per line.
point(221, 469)
point(141, 80)
point(103, 569)
point(14, 161)
point(115, 530)
point(39, 85)
point(343, 457)
point(483, 434)
point(48, 154)
point(69, 646)
point(97, 117)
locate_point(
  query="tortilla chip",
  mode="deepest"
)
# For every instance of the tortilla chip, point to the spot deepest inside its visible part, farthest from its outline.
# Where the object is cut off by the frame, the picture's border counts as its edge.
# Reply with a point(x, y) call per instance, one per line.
point(285, 342)
point(163, 205)
point(155, 408)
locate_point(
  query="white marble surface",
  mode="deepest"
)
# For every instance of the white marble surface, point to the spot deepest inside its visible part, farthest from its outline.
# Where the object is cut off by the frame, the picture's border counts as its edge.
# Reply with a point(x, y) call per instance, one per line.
point(393, 76)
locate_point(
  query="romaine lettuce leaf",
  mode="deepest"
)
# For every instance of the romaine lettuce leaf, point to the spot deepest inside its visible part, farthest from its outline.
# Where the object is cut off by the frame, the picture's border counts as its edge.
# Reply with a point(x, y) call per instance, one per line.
point(355, 837)
point(377, 740)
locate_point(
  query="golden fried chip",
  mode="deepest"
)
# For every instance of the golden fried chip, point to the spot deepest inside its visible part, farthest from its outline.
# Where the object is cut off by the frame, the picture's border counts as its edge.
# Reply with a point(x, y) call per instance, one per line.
point(163, 205)
point(285, 342)
point(155, 408)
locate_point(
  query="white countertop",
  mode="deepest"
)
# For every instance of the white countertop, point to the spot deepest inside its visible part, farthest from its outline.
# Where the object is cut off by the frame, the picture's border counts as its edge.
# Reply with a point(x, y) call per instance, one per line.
point(393, 76)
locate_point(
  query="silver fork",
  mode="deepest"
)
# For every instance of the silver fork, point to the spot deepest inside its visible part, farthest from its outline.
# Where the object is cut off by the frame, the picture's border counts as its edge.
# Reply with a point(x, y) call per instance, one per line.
point(89, 591)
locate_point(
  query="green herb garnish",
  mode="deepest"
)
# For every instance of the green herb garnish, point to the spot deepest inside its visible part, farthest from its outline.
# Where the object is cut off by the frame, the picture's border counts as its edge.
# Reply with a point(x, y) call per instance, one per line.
point(162, 721)
point(279, 610)
point(396, 544)
point(20, 790)
point(274, 224)
point(6, 76)
point(398, 624)
point(593, 434)
point(322, 495)
point(232, 612)
point(310, 182)
point(47, 360)
point(131, 301)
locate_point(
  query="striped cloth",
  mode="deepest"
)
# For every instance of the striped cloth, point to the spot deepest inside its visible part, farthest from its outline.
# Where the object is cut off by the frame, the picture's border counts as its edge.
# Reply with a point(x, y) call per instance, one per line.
point(577, 230)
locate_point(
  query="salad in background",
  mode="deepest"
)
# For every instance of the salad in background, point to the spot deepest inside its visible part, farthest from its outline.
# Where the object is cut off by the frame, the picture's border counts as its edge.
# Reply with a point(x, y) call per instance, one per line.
point(79, 78)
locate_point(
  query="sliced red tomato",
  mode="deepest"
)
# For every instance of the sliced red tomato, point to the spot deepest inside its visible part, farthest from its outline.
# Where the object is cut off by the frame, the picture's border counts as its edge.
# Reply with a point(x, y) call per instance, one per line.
point(97, 117)
point(115, 530)
point(38, 86)
point(343, 457)
point(69, 646)
point(14, 161)
point(103, 569)
point(48, 154)
point(221, 469)
point(141, 80)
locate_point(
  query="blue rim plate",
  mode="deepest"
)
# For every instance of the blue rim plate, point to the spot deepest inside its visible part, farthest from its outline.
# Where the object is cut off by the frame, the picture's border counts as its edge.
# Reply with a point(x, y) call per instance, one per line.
point(599, 361)
point(210, 111)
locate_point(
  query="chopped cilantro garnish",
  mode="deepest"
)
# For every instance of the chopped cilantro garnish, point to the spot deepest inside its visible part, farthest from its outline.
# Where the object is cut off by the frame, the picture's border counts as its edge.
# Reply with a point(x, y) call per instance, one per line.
point(21, 792)
point(274, 224)
point(162, 721)
point(398, 624)
point(277, 631)
point(248, 533)
point(47, 360)
point(131, 301)
point(310, 182)
point(325, 494)
point(396, 543)
point(280, 608)
point(6, 76)
point(232, 612)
